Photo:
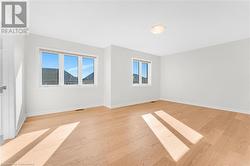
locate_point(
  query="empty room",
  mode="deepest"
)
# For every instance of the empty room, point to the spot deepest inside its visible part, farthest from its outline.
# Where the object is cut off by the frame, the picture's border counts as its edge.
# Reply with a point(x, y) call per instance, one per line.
point(125, 83)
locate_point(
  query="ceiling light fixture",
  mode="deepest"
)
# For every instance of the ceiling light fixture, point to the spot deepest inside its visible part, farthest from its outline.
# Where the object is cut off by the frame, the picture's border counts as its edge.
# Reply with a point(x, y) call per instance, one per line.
point(157, 29)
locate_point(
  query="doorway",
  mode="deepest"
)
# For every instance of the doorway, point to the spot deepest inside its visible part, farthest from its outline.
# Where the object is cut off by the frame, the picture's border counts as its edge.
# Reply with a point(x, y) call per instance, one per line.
point(7, 108)
point(2, 88)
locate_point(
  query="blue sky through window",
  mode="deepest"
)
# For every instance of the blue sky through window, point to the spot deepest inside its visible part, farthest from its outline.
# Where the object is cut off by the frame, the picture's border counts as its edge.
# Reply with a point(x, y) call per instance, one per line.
point(50, 60)
point(71, 64)
point(88, 66)
point(144, 70)
point(136, 67)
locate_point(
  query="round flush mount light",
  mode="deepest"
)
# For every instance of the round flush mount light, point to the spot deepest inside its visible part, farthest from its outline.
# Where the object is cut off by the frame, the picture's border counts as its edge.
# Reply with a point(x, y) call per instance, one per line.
point(157, 29)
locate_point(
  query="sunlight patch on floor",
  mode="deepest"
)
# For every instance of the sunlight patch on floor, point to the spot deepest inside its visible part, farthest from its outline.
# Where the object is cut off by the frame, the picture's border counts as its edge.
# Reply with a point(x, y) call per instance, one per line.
point(190, 134)
point(14, 146)
point(41, 153)
point(171, 143)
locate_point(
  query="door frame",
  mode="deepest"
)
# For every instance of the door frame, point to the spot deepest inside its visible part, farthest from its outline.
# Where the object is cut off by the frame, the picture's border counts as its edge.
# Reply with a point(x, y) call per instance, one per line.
point(1, 94)
point(8, 96)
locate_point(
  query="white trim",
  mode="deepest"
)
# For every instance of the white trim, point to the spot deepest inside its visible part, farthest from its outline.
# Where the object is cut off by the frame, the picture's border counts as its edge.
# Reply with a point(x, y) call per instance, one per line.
point(40, 66)
point(209, 106)
point(1, 96)
point(8, 113)
point(79, 70)
point(150, 73)
point(132, 71)
point(142, 60)
point(141, 85)
point(1, 81)
point(132, 103)
point(61, 54)
point(96, 61)
point(58, 51)
point(95, 71)
point(61, 70)
point(140, 72)
point(58, 110)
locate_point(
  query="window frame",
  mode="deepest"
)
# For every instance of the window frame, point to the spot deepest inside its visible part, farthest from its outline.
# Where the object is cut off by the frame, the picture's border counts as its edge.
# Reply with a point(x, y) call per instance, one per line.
point(61, 54)
point(41, 70)
point(77, 62)
point(140, 72)
point(133, 71)
point(95, 72)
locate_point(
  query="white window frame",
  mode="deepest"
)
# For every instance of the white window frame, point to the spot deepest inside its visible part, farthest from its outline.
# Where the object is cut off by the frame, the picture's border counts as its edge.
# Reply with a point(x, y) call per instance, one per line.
point(78, 68)
point(61, 54)
point(140, 72)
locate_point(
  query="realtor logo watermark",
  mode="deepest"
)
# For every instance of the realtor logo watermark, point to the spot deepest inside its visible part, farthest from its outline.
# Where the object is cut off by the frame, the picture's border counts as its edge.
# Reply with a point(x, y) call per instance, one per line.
point(14, 17)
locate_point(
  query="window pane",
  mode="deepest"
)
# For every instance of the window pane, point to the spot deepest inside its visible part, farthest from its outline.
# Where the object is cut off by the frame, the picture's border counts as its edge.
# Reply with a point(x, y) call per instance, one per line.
point(135, 72)
point(50, 68)
point(88, 74)
point(70, 70)
point(144, 73)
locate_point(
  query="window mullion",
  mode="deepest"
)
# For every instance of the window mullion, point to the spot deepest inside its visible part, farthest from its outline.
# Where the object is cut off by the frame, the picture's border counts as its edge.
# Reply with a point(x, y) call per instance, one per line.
point(56, 66)
point(61, 69)
point(149, 73)
point(140, 72)
point(80, 66)
point(95, 71)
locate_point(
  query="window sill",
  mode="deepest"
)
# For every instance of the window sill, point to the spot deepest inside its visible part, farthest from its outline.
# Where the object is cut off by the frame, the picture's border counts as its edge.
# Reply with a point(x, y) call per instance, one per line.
point(141, 85)
point(69, 86)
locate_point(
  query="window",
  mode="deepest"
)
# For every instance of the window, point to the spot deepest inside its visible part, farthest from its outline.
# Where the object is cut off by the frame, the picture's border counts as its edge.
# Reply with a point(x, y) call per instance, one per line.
point(88, 70)
point(50, 68)
point(136, 72)
point(70, 70)
point(60, 68)
point(144, 73)
point(141, 72)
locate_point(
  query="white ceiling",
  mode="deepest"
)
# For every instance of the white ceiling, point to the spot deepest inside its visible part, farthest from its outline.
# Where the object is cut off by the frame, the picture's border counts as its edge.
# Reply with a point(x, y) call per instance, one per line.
point(189, 24)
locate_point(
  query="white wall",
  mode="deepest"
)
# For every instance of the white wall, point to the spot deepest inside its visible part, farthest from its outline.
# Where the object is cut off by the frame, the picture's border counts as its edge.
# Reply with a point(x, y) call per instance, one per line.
point(107, 76)
point(114, 87)
point(122, 90)
point(1, 84)
point(19, 52)
point(42, 100)
point(217, 76)
point(13, 112)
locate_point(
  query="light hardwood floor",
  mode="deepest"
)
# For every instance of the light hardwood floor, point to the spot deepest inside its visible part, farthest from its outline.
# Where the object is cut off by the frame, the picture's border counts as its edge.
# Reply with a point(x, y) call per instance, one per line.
point(100, 136)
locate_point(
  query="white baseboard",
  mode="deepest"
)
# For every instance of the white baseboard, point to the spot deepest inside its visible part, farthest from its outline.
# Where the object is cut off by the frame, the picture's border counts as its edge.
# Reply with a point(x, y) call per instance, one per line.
point(21, 121)
point(210, 106)
point(132, 103)
point(44, 112)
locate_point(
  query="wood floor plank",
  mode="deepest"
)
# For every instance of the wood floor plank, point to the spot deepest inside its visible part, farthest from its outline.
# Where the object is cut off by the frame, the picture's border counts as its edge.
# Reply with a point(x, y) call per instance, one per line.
point(175, 147)
point(121, 137)
point(183, 129)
